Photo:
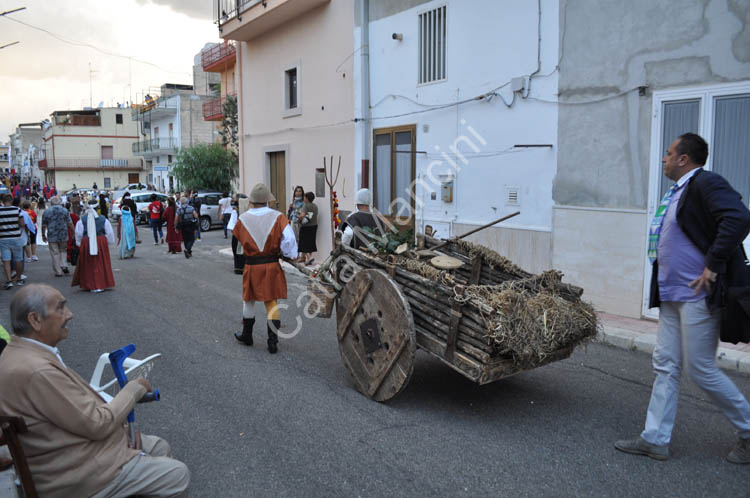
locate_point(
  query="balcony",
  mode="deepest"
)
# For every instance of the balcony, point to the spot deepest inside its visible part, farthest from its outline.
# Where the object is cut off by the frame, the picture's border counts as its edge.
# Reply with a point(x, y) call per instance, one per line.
point(77, 163)
point(153, 109)
point(155, 146)
point(213, 110)
point(219, 58)
point(244, 20)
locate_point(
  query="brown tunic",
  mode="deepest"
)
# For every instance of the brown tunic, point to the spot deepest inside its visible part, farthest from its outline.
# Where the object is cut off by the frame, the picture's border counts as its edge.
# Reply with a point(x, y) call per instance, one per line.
point(264, 282)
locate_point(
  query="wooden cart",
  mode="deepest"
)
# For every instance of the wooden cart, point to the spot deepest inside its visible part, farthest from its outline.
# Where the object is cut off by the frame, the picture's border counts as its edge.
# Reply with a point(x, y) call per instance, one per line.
point(385, 312)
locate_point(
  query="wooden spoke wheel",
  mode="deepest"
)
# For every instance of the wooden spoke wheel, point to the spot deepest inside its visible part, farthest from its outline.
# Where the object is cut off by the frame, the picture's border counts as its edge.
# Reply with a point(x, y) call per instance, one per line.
point(375, 330)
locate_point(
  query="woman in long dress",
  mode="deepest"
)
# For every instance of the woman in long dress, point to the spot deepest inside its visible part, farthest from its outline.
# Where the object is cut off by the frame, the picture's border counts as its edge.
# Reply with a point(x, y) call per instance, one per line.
point(174, 237)
point(93, 235)
point(126, 243)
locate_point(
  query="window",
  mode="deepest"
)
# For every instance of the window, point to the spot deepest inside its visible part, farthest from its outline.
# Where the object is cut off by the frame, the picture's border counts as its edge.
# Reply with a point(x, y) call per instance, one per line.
point(210, 200)
point(291, 88)
point(169, 158)
point(719, 114)
point(394, 171)
point(107, 182)
point(432, 34)
point(107, 152)
point(292, 94)
point(118, 118)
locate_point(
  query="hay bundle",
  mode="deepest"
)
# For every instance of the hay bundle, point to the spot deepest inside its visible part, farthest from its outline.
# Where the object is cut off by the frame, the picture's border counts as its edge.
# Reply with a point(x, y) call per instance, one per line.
point(529, 320)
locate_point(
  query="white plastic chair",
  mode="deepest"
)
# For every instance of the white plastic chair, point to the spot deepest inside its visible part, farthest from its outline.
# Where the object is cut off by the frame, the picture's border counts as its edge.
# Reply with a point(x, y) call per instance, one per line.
point(133, 369)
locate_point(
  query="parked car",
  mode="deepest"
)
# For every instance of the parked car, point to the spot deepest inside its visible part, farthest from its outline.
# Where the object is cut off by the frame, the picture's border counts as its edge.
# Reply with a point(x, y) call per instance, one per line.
point(210, 210)
point(142, 199)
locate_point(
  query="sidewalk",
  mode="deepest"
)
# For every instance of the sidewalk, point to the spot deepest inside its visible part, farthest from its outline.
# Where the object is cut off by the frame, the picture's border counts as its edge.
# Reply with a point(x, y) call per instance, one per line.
point(633, 334)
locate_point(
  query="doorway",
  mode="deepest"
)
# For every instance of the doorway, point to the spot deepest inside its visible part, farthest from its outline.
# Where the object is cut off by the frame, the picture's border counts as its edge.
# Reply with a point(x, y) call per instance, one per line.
point(133, 178)
point(277, 178)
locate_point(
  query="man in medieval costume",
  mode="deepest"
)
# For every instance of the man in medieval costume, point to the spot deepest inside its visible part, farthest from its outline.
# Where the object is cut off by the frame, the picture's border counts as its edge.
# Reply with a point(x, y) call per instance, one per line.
point(265, 235)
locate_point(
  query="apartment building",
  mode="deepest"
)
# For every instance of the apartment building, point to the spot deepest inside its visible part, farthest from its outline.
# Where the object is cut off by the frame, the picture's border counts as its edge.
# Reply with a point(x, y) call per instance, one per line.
point(219, 59)
point(5, 158)
point(296, 97)
point(26, 146)
point(83, 147)
point(172, 118)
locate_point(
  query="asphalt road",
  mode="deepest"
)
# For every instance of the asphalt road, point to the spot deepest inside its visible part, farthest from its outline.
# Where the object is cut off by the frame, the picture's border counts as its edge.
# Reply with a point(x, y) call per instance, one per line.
point(251, 424)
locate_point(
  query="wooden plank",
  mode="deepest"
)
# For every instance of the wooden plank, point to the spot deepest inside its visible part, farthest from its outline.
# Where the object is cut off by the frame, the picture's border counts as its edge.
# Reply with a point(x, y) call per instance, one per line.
point(505, 367)
point(361, 292)
point(450, 347)
point(476, 269)
point(462, 363)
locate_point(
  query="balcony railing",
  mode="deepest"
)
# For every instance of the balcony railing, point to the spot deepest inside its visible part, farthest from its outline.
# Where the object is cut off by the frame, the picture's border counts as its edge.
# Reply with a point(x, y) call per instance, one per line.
point(229, 9)
point(154, 145)
point(214, 56)
point(213, 110)
point(90, 163)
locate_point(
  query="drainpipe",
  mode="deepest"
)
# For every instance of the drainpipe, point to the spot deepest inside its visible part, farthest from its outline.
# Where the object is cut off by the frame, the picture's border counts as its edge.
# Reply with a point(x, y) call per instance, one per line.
point(365, 94)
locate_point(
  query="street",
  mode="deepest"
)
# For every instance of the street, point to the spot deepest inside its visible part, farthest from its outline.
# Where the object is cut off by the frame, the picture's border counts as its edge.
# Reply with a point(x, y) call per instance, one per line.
point(248, 423)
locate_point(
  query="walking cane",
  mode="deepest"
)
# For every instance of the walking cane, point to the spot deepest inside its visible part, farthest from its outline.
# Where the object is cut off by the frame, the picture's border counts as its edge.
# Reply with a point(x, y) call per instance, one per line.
point(116, 359)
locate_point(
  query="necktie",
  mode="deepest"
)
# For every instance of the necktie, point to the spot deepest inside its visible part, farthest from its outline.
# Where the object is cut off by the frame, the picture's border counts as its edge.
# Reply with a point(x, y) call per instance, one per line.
point(655, 230)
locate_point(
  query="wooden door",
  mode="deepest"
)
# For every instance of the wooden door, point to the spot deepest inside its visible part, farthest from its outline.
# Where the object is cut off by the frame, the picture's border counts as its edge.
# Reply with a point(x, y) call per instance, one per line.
point(133, 178)
point(278, 179)
point(393, 173)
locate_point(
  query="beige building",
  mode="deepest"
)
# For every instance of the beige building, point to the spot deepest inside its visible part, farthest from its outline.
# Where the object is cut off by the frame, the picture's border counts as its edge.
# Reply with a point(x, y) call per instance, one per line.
point(296, 98)
point(84, 147)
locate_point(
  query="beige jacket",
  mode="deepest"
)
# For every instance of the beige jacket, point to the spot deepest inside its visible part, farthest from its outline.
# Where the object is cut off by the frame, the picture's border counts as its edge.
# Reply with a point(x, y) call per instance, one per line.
point(76, 442)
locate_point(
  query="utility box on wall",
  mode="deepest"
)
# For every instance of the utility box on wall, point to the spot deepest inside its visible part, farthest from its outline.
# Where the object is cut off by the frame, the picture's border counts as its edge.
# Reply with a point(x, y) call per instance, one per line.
point(446, 191)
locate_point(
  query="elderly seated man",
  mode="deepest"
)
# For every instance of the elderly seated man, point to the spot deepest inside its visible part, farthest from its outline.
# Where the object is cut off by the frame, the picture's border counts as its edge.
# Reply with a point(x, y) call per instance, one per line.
point(77, 444)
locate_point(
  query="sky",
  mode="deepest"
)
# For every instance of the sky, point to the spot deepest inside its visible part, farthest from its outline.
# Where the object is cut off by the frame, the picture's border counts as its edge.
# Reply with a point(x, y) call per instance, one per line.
point(42, 74)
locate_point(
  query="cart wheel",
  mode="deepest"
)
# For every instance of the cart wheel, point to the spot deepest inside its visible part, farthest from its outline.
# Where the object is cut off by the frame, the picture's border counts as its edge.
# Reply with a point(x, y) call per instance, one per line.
point(376, 334)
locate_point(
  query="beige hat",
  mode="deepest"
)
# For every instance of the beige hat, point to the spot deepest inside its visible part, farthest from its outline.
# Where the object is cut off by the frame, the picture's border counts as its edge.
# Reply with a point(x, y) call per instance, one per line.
point(261, 194)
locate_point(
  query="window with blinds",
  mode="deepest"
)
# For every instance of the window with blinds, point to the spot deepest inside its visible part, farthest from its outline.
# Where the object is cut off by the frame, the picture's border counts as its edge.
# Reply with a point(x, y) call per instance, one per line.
point(432, 34)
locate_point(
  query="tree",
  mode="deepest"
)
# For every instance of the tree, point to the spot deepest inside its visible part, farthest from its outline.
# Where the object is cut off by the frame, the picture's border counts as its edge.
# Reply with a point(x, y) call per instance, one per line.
point(206, 167)
point(228, 131)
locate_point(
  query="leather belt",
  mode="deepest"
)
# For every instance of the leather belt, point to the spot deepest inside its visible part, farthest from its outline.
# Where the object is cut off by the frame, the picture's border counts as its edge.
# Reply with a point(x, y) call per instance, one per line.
point(261, 260)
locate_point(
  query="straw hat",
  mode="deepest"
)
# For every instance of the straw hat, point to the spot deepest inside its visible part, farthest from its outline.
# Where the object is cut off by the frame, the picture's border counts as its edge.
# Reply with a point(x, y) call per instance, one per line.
point(260, 194)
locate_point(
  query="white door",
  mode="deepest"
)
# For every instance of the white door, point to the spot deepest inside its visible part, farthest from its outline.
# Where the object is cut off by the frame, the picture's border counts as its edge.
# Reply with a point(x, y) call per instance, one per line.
point(721, 115)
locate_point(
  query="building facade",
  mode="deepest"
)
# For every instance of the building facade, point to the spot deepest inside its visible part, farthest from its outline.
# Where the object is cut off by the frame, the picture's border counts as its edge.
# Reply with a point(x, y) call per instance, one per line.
point(26, 146)
point(83, 147)
point(166, 123)
point(296, 98)
point(467, 110)
point(632, 79)
point(5, 158)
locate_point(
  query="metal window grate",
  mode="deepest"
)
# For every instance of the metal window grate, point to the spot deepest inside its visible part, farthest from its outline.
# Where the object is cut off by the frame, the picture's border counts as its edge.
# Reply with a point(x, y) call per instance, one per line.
point(432, 31)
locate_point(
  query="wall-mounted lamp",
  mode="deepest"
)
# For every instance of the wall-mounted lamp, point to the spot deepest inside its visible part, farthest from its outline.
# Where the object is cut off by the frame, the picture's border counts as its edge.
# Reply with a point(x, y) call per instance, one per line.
point(398, 36)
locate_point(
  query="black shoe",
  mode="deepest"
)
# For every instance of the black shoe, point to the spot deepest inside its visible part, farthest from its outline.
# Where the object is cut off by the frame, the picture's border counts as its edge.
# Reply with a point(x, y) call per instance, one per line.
point(246, 336)
point(65, 270)
point(187, 254)
point(273, 339)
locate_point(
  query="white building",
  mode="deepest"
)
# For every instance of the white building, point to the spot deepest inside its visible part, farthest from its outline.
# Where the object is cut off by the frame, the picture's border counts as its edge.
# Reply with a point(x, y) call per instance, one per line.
point(458, 124)
point(26, 145)
point(167, 123)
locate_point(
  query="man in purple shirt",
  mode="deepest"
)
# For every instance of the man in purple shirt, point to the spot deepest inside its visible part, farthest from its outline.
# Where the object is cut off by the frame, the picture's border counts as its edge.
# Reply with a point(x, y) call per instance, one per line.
point(697, 242)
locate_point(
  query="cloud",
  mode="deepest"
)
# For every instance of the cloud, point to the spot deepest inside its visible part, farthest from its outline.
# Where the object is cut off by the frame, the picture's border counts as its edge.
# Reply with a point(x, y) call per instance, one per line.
point(43, 74)
point(199, 9)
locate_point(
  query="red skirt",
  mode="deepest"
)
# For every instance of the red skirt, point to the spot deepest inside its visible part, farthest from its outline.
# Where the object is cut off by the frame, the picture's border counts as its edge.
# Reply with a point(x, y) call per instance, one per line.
point(94, 272)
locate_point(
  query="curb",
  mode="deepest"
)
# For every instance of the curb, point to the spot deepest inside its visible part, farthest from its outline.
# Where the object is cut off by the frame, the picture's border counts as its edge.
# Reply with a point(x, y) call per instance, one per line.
point(728, 359)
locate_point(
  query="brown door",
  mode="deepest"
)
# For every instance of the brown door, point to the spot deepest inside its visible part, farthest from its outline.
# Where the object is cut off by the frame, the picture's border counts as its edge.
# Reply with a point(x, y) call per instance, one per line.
point(393, 173)
point(278, 178)
point(133, 178)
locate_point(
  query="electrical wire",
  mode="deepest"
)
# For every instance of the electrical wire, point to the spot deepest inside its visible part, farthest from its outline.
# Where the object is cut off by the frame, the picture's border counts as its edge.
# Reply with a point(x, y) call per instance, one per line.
point(299, 128)
point(93, 47)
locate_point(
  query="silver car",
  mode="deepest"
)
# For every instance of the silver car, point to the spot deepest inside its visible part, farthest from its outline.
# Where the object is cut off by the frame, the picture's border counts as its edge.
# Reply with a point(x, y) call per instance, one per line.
point(210, 210)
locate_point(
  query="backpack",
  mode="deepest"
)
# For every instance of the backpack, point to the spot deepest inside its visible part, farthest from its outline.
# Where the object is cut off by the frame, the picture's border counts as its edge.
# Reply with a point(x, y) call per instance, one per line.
point(186, 217)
